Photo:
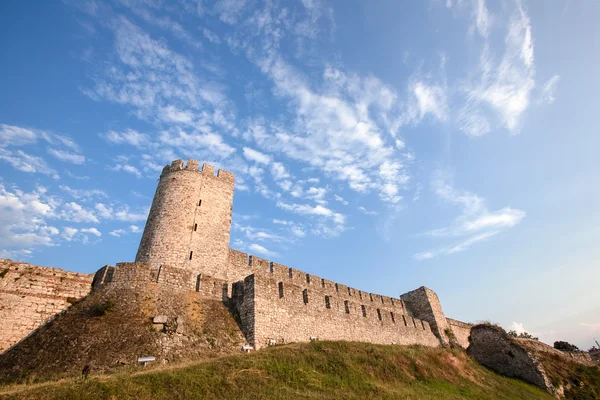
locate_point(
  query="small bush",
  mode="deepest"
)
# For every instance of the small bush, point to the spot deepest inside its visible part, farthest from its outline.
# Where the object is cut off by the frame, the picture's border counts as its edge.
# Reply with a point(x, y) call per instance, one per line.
point(522, 335)
point(3, 273)
point(565, 346)
point(103, 308)
point(71, 300)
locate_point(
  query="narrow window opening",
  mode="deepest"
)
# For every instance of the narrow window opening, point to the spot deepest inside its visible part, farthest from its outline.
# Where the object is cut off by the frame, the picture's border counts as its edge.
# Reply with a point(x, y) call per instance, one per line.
point(290, 273)
point(393, 319)
point(414, 322)
point(382, 300)
point(379, 314)
point(195, 227)
point(191, 254)
point(198, 282)
point(349, 292)
point(392, 300)
point(364, 310)
point(271, 267)
point(308, 278)
point(337, 289)
point(199, 203)
point(360, 294)
point(347, 306)
point(322, 282)
point(423, 324)
point(404, 319)
point(327, 302)
point(371, 296)
point(305, 296)
point(281, 290)
point(225, 290)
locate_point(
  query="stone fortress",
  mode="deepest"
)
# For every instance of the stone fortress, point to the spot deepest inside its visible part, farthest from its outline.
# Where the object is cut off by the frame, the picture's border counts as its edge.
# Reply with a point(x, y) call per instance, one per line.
point(185, 249)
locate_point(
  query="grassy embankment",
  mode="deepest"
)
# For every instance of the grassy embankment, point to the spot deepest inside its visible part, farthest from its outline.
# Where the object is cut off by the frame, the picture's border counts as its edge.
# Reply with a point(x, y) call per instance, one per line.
point(318, 370)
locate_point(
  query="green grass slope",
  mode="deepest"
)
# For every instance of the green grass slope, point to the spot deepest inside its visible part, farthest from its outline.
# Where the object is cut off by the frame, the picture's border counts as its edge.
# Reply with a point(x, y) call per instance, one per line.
point(318, 370)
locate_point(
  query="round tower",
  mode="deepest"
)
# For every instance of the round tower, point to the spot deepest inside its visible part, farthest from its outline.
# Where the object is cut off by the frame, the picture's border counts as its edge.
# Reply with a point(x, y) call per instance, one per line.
point(190, 219)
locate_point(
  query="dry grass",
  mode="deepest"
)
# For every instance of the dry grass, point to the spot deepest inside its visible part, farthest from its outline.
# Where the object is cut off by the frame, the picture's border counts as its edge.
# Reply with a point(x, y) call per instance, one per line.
point(318, 370)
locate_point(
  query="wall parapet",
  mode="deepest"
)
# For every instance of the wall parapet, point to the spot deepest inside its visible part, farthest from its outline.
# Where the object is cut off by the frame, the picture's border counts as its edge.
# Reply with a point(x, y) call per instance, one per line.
point(241, 264)
point(193, 166)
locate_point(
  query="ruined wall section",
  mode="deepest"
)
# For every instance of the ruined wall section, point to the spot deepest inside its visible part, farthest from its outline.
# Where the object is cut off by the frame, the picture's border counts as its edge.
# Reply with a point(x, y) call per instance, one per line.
point(424, 304)
point(190, 218)
point(461, 331)
point(30, 295)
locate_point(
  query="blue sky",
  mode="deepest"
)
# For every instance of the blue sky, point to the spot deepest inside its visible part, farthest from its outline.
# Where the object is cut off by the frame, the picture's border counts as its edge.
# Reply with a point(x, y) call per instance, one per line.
point(383, 145)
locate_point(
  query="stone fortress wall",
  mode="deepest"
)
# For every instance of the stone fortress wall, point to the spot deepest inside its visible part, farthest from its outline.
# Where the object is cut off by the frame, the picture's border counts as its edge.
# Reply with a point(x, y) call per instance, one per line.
point(185, 246)
point(31, 295)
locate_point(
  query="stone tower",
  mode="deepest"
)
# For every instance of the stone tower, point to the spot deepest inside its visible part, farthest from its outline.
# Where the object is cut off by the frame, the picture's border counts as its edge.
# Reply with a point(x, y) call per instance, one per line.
point(190, 219)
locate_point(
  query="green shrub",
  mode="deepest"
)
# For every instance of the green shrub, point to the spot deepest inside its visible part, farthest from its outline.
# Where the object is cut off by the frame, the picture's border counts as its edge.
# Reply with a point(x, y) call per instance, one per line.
point(103, 308)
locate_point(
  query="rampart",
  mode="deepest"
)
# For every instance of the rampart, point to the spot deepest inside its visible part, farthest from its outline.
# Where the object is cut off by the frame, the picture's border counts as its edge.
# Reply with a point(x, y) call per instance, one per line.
point(30, 295)
point(185, 248)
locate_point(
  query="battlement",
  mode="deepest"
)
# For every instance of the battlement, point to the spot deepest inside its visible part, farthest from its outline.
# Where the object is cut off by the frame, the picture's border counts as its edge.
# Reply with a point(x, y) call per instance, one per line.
point(242, 264)
point(207, 170)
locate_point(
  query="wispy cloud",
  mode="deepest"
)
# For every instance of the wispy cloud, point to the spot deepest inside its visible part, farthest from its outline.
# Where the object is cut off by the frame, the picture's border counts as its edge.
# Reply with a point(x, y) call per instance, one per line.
point(475, 224)
point(547, 94)
point(499, 92)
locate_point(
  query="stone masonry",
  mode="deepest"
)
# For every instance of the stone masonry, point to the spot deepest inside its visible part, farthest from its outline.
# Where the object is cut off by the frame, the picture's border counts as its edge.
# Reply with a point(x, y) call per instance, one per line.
point(185, 247)
point(30, 296)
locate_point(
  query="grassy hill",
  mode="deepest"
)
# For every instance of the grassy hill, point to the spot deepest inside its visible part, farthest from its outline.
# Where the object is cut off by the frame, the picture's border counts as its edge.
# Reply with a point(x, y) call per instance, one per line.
point(318, 370)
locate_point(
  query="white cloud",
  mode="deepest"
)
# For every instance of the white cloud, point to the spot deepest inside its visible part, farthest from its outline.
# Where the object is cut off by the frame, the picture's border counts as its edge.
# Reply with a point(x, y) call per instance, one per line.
point(475, 224)
point(23, 225)
point(123, 213)
point(501, 91)
point(211, 36)
point(316, 194)
point(279, 171)
point(127, 168)
point(210, 141)
point(256, 156)
point(518, 327)
point(423, 256)
point(117, 232)
point(92, 231)
point(483, 18)
point(83, 193)
point(547, 94)
point(328, 223)
point(297, 231)
point(27, 162)
point(16, 136)
point(340, 199)
point(74, 212)
point(257, 248)
point(337, 129)
point(134, 229)
point(69, 233)
point(367, 212)
point(67, 156)
point(129, 136)
point(430, 99)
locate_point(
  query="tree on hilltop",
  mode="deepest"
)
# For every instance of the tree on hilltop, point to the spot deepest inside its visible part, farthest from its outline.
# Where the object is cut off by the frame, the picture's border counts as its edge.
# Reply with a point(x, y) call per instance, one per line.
point(522, 335)
point(565, 346)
